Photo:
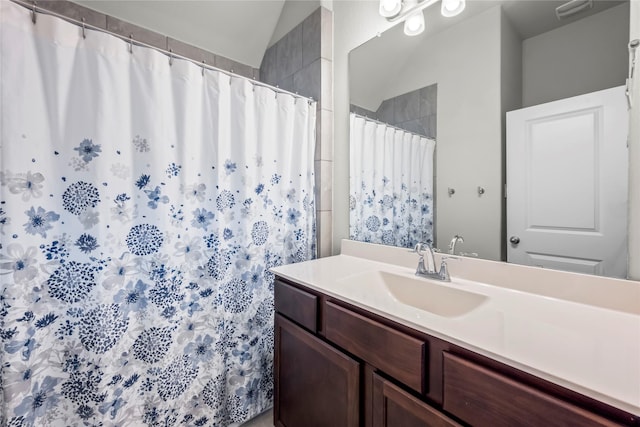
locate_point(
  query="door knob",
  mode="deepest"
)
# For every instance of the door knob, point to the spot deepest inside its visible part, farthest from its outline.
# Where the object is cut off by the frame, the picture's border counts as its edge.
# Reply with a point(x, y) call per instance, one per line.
point(514, 239)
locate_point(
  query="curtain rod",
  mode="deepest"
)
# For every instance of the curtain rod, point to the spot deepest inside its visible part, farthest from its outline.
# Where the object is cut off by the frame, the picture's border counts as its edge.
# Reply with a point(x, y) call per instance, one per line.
point(396, 128)
point(34, 8)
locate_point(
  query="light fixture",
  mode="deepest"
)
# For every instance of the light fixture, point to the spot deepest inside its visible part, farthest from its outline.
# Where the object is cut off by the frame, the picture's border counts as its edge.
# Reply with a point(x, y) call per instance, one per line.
point(411, 11)
point(389, 8)
point(452, 7)
point(414, 24)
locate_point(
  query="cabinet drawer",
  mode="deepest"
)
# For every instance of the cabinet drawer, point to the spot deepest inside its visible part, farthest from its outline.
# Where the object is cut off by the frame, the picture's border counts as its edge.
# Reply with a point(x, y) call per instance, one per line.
point(399, 355)
point(482, 397)
point(393, 407)
point(296, 304)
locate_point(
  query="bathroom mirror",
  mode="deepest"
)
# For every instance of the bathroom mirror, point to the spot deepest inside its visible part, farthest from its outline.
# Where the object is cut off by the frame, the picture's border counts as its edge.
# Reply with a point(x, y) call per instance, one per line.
point(496, 57)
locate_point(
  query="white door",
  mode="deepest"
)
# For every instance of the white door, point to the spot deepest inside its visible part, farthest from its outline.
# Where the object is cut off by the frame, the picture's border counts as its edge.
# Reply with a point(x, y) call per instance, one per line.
point(567, 184)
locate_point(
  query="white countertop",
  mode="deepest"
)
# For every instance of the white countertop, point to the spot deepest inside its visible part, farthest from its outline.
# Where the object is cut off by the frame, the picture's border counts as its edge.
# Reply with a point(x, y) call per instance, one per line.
point(586, 340)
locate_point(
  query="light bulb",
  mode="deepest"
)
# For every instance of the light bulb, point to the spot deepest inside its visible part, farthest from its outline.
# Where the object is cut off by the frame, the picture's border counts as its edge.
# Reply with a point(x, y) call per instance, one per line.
point(389, 8)
point(452, 7)
point(414, 24)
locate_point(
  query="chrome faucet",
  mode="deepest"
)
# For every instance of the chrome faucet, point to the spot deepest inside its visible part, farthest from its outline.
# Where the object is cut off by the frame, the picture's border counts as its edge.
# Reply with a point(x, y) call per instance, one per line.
point(430, 271)
point(452, 244)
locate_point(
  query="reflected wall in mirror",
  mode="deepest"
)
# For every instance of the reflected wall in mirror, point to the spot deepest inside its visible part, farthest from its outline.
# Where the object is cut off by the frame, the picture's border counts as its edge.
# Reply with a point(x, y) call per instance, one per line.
point(496, 57)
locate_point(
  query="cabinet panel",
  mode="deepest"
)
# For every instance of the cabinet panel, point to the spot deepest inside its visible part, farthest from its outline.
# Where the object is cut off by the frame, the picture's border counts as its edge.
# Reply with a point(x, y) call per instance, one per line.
point(394, 407)
point(315, 384)
point(483, 397)
point(399, 355)
point(296, 304)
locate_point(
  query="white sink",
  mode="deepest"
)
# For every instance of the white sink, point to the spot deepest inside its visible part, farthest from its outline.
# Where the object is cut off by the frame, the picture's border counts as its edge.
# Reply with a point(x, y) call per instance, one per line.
point(443, 299)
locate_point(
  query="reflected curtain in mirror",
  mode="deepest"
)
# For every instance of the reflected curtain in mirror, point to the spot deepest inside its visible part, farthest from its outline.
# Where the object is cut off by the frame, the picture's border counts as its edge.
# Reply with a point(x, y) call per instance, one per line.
point(391, 200)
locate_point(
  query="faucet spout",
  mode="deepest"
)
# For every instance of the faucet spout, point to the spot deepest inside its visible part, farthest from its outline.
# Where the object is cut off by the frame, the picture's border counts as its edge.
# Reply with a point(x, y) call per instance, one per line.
point(452, 245)
point(430, 271)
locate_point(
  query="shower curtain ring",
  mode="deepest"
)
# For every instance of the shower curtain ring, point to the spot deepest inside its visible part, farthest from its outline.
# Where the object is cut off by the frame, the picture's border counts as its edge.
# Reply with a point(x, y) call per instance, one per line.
point(33, 12)
point(170, 57)
point(130, 43)
point(84, 29)
point(204, 64)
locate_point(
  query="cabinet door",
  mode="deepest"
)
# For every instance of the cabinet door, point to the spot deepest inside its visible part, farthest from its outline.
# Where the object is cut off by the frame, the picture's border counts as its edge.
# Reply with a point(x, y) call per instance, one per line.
point(315, 384)
point(394, 407)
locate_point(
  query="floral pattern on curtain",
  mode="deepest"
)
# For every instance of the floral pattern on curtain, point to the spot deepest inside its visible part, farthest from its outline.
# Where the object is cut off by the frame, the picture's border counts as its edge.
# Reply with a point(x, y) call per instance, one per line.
point(391, 184)
point(141, 207)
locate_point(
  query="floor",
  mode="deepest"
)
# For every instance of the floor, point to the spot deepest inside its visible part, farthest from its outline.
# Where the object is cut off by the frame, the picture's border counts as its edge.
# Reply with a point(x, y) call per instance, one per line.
point(263, 420)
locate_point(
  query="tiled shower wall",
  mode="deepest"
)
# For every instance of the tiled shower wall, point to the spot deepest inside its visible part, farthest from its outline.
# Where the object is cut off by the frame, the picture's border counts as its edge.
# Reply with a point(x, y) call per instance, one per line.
point(415, 111)
point(301, 62)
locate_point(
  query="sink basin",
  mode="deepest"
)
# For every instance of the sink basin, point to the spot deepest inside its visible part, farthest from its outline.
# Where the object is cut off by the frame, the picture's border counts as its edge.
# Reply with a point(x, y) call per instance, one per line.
point(424, 294)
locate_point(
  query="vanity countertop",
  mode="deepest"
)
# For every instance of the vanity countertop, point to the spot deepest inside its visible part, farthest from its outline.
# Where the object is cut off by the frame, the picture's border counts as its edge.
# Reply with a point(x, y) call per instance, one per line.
point(578, 331)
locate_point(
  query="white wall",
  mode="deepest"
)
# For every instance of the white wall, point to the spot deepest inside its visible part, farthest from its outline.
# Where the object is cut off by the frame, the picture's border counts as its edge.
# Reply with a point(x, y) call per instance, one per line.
point(469, 142)
point(581, 57)
point(634, 154)
point(241, 32)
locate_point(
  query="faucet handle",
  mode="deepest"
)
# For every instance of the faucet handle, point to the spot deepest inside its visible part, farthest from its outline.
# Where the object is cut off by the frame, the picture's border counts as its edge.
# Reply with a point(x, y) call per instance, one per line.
point(444, 270)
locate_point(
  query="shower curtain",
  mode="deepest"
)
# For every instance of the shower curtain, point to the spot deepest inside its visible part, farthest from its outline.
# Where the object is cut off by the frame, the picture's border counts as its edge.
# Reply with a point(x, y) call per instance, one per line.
point(391, 184)
point(141, 207)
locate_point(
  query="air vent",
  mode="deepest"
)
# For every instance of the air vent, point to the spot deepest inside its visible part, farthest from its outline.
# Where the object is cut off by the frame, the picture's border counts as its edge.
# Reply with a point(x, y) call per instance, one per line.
point(572, 7)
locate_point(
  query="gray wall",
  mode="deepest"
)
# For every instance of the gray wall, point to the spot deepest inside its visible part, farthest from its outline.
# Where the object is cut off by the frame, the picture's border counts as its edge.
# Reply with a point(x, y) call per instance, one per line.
point(414, 111)
point(581, 57)
point(301, 61)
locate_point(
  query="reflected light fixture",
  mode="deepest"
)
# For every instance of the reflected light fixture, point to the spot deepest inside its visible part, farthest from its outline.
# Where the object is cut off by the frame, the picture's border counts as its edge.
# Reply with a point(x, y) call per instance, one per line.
point(452, 7)
point(389, 8)
point(414, 24)
point(411, 11)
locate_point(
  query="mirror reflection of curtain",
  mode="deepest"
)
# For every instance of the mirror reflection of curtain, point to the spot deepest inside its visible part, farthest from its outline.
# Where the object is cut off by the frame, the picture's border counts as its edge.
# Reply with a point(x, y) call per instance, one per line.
point(141, 208)
point(391, 200)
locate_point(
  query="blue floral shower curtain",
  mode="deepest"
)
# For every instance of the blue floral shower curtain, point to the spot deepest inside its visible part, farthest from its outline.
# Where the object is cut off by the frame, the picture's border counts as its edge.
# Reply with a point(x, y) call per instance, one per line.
point(391, 184)
point(141, 206)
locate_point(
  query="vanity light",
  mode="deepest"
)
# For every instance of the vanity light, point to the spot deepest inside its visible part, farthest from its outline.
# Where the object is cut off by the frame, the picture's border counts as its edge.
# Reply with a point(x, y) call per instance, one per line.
point(411, 11)
point(414, 24)
point(389, 8)
point(451, 8)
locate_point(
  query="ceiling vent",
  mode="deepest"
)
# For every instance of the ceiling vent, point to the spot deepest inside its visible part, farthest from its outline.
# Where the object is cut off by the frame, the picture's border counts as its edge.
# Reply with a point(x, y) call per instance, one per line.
point(572, 7)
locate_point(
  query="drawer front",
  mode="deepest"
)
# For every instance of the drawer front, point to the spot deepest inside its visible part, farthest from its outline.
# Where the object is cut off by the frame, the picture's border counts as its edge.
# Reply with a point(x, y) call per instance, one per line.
point(394, 407)
point(399, 355)
point(296, 304)
point(482, 397)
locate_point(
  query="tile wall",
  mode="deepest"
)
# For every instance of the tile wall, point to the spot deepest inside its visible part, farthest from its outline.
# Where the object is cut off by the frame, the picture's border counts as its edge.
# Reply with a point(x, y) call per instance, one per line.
point(415, 111)
point(301, 62)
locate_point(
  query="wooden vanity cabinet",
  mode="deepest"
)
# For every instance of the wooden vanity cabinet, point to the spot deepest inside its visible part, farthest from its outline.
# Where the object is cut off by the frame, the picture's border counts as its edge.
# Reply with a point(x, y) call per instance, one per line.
point(337, 365)
point(486, 398)
point(316, 385)
point(394, 407)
